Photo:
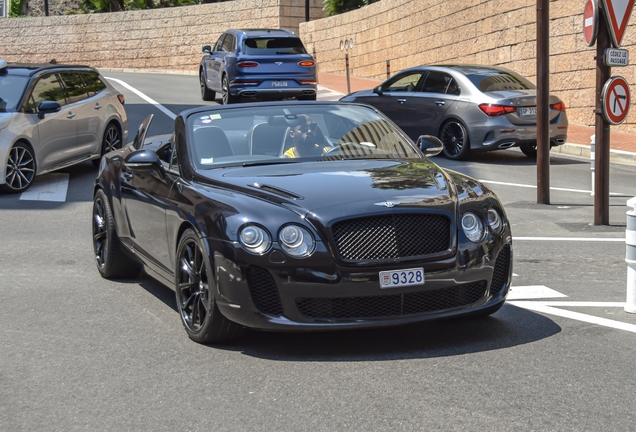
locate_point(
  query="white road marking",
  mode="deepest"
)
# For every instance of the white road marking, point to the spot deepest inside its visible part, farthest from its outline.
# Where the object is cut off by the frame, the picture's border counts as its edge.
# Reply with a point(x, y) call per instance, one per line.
point(151, 101)
point(51, 187)
point(552, 188)
point(532, 292)
point(519, 296)
point(546, 307)
point(581, 239)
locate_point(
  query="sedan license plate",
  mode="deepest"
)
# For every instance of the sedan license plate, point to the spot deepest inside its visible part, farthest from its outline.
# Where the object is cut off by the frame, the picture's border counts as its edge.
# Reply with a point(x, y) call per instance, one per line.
point(401, 278)
point(279, 83)
point(528, 111)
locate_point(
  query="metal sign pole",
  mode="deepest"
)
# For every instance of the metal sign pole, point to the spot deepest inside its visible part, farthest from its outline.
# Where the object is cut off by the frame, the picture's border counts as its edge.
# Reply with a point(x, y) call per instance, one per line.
point(543, 101)
point(602, 128)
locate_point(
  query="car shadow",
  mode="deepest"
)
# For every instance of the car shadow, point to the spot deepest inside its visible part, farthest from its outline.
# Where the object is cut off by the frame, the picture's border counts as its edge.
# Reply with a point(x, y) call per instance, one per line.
point(509, 327)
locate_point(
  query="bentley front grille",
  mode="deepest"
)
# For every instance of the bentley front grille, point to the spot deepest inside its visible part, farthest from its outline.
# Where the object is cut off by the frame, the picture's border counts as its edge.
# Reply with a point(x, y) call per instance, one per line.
point(394, 305)
point(392, 236)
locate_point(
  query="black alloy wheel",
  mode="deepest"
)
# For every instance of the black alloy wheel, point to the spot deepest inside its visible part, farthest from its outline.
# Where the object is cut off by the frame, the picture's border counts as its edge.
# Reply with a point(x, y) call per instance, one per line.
point(206, 93)
point(20, 169)
point(111, 262)
point(111, 141)
point(227, 97)
point(195, 297)
point(455, 139)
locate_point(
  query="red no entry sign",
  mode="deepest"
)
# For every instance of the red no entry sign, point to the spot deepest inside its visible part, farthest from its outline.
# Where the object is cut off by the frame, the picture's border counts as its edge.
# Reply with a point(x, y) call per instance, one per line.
point(590, 20)
point(616, 100)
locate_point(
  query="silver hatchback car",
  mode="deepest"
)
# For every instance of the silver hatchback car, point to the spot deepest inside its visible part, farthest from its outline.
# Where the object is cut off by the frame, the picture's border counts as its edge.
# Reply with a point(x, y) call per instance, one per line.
point(53, 116)
point(470, 108)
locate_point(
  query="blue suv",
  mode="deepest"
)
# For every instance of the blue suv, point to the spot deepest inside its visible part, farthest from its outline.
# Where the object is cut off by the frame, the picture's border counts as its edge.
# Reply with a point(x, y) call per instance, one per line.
point(264, 64)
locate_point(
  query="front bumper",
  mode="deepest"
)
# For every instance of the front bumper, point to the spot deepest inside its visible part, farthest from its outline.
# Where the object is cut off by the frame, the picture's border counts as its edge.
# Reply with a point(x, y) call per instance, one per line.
point(273, 292)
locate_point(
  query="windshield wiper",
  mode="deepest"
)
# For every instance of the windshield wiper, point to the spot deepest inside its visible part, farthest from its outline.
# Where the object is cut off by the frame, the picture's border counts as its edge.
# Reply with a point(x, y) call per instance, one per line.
point(269, 162)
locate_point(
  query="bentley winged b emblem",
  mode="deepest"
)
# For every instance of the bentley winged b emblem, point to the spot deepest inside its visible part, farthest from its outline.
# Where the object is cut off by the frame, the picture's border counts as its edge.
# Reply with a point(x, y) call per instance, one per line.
point(278, 63)
point(388, 204)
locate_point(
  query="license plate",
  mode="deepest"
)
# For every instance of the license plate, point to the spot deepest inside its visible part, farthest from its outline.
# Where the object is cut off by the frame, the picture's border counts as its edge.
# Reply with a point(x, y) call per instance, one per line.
point(528, 111)
point(279, 83)
point(401, 278)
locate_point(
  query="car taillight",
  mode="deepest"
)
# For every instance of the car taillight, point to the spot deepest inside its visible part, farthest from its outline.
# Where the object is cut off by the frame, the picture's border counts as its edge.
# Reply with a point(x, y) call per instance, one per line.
point(121, 98)
point(558, 106)
point(247, 64)
point(307, 63)
point(307, 81)
point(495, 110)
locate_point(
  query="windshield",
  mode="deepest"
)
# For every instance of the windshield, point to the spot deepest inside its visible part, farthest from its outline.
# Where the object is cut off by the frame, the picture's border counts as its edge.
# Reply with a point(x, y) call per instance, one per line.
point(294, 132)
point(270, 45)
point(494, 80)
point(11, 91)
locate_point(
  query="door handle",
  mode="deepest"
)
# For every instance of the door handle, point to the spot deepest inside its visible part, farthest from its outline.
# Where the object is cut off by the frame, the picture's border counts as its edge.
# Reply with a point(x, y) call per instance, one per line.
point(70, 114)
point(97, 106)
point(401, 101)
point(440, 102)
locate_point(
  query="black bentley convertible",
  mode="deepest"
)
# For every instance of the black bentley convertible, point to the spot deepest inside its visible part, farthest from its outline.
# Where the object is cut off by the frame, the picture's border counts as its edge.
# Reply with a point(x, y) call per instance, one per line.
point(299, 216)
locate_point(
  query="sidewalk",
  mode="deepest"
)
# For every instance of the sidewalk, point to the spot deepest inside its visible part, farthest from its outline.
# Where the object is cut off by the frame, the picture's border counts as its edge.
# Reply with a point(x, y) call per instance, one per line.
point(622, 144)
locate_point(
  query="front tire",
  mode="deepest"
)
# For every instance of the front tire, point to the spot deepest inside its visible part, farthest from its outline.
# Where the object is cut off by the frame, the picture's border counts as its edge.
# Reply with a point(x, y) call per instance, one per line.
point(206, 93)
point(529, 150)
point(454, 136)
point(194, 287)
point(20, 169)
point(111, 141)
point(227, 97)
point(110, 258)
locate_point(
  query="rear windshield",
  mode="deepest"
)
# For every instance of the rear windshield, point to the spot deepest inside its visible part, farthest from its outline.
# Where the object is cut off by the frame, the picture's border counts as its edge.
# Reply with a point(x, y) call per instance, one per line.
point(493, 81)
point(11, 91)
point(272, 45)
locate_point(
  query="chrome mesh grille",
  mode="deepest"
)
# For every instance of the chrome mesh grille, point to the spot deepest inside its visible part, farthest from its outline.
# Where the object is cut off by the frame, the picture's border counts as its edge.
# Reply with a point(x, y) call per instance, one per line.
point(392, 236)
point(394, 305)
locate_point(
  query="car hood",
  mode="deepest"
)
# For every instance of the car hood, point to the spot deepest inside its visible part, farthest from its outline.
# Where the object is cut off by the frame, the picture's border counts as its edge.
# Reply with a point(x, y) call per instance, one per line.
point(5, 119)
point(361, 93)
point(334, 189)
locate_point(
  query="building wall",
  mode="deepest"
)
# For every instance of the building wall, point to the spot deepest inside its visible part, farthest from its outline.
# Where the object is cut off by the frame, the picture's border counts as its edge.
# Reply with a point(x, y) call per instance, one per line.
point(490, 32)
point(407, 32)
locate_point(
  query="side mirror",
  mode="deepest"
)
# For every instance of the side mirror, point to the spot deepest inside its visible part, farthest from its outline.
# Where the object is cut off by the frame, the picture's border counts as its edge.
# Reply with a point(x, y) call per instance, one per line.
point(144, 160)
point(48, 107)
point(430, 145)
point(206, 49)
point(378, 90)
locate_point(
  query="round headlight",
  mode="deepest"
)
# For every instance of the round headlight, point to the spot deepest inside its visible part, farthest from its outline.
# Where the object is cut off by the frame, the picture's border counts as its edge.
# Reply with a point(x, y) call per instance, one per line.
point(296, 241)
point(494, 220)
point(472, 226)
point(255, 239)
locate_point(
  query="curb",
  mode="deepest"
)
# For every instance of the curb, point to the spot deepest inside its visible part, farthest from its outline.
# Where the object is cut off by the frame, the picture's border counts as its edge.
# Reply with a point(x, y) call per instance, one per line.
point(616, 156)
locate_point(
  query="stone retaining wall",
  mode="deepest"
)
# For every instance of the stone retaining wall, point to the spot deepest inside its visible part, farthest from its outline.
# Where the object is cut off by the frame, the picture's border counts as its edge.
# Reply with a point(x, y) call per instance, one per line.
point(169, 38)
point(490, 32)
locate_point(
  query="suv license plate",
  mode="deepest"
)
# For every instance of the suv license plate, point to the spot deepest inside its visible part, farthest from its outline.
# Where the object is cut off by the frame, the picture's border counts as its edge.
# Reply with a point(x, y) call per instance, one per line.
point(401, 278)
point(529, 111)
point(279, 83)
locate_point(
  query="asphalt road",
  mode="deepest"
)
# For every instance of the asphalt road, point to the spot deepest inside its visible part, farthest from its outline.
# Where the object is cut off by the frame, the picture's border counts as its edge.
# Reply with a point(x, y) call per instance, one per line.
point(78, 352)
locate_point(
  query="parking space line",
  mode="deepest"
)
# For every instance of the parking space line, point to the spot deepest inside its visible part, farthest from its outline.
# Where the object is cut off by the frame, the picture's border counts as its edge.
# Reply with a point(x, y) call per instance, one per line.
point(579, 239)
point(51, 187)
point(552, 188)
point(548, 308)
point(151, 101)
point(532, 292)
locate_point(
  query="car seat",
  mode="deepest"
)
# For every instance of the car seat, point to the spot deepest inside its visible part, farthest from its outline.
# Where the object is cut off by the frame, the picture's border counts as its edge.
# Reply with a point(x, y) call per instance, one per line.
point(267, 139)
point(210, 143)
